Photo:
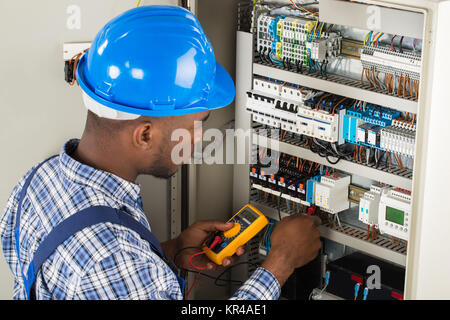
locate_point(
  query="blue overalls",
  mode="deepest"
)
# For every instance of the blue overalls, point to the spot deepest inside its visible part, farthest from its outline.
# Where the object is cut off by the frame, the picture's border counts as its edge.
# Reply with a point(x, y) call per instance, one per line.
point(73, 224)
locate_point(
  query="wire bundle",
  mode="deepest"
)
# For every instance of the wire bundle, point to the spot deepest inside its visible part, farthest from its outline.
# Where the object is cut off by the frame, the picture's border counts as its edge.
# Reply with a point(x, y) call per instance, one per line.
point(303, 8)
point(216, 241)
point(327, 151)
point(75, 60)
point(396, 83)
point(265, 240)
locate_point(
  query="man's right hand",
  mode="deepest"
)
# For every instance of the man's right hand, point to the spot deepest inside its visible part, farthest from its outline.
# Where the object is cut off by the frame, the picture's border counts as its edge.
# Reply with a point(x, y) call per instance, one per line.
point(295, 242)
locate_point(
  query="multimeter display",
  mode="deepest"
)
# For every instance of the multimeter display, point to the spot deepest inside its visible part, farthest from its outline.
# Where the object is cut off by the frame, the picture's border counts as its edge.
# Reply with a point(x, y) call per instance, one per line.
point(247, 216)
point(247, 223)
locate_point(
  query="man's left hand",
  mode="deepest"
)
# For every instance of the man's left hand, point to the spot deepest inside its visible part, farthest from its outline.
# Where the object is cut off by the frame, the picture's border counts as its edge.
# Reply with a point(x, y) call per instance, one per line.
point(194, 236)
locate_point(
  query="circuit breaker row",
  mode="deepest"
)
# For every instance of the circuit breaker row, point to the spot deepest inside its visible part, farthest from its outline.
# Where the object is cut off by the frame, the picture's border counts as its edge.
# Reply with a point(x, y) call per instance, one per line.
point(329, 117)
point(304, 182)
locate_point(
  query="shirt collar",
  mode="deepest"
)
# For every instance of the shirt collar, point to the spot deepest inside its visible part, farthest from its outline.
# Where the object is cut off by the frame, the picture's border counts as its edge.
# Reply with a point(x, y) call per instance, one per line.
point(106, 182)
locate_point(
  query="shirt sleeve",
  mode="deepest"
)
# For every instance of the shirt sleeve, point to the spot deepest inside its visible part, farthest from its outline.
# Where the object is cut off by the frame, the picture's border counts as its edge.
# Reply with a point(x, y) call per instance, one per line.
point(7, 219)
point(262, 285)
point(8, 240)
point(127, 276)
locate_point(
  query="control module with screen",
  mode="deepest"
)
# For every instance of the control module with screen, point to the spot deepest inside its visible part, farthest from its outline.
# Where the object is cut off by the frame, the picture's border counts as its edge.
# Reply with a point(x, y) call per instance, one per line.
point(394, 213)
point(247, 223)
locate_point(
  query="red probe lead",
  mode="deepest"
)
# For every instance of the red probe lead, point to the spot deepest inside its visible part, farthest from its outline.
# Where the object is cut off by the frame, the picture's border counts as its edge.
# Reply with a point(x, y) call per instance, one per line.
point(216, 241)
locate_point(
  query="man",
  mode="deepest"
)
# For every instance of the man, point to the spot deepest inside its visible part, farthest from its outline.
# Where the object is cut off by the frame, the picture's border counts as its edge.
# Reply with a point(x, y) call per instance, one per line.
point(74, 226)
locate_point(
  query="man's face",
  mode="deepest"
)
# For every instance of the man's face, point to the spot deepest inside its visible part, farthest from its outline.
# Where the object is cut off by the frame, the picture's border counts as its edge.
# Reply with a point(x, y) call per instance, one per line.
point(161, 164)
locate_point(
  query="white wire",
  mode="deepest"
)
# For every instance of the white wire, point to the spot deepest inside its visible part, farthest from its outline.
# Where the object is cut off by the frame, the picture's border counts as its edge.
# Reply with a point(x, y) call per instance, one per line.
point(338, 220)
point(319, 295)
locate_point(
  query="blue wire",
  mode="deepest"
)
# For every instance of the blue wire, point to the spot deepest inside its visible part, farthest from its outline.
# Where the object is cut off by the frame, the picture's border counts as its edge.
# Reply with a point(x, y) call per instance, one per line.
point(275, 61)
point(356, 290)
point(320, 26)
point(365, 293)
point(379, 38)
point(320, 67)
point(267, 240)
point(311, 64)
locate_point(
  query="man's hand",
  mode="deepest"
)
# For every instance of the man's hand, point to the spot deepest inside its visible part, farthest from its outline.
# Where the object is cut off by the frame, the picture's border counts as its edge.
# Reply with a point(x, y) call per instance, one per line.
point(295, 242)
point(194, 236)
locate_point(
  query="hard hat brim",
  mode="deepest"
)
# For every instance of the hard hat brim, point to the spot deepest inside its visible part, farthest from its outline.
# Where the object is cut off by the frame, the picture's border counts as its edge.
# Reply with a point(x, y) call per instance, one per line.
point(221, 95)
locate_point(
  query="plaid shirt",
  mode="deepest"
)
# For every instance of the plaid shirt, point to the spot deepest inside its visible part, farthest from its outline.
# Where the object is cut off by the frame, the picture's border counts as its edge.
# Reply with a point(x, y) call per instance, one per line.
point(104, 261)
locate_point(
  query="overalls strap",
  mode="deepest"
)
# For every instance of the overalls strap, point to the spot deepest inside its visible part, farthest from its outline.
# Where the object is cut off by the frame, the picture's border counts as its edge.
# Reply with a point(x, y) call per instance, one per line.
point(77, 222)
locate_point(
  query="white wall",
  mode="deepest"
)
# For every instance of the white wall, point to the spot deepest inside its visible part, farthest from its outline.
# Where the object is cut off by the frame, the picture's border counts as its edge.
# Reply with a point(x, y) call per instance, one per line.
point(38, 110)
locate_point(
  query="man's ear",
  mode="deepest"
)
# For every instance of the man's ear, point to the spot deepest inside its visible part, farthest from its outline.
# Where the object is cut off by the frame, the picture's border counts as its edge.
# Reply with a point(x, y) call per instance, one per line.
point(143, 135)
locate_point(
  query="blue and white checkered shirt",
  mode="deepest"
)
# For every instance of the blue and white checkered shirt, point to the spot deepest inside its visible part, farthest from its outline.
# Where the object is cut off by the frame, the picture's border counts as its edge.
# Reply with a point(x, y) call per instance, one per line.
point(104, 261)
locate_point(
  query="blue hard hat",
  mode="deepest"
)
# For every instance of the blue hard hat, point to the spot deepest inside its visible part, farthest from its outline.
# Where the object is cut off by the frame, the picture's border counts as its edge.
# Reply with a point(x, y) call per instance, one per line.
point(154, 61)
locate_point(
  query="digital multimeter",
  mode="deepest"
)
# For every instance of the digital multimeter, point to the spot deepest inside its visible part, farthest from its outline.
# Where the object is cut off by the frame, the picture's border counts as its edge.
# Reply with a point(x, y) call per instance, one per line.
point(247, 223)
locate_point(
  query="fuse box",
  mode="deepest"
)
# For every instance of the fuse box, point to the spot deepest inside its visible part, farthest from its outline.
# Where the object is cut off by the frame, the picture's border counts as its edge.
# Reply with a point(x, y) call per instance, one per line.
point(356, 94)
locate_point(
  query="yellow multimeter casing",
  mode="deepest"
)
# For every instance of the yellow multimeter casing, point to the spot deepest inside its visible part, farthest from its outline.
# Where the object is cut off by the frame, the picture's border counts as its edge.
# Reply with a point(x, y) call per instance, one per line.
point(247, 223)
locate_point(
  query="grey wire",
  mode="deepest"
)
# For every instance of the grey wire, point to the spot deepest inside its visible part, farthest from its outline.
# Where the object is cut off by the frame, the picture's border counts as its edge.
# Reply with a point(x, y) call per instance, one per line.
point(383, 86)
point(308, 3)
point(395, 84)
point(334, 147)
point(319, 294)
point(320, 145)
point(338, 220)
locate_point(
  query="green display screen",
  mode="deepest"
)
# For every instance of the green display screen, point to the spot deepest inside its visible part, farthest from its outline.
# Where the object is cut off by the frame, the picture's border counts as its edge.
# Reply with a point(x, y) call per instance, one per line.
point(395, 215)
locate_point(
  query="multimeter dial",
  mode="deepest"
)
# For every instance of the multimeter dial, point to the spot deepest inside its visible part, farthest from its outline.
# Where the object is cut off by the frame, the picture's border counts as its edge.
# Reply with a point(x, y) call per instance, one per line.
point(233, 231)
point(246, 223)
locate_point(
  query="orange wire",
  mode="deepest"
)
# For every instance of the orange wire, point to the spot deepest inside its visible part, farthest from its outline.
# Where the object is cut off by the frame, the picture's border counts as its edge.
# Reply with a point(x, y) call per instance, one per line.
point(304, 9)
point(374, 78)
point(404, 85)
point(338, 103)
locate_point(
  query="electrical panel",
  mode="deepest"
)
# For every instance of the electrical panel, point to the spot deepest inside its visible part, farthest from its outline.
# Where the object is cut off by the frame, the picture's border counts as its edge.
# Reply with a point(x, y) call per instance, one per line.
point(342, 103)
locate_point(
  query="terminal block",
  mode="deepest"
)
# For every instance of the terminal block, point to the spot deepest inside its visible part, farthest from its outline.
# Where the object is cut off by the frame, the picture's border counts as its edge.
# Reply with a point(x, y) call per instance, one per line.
point(290, 182)
point(295, 40)
point(385, 60)
point(398, 140)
